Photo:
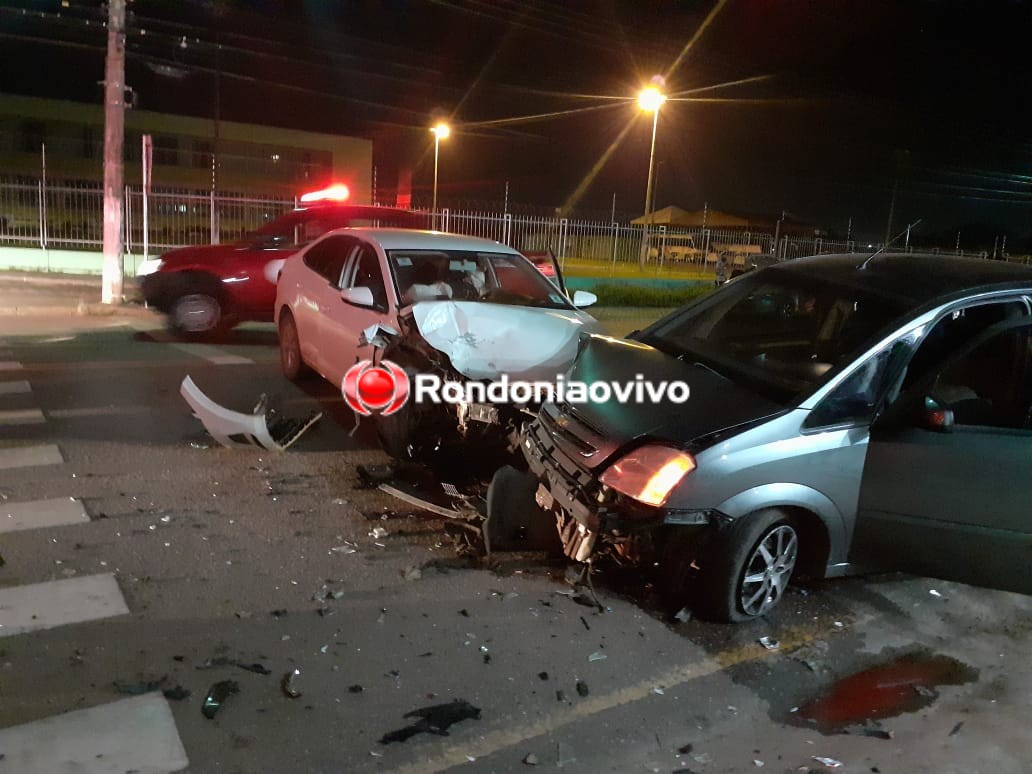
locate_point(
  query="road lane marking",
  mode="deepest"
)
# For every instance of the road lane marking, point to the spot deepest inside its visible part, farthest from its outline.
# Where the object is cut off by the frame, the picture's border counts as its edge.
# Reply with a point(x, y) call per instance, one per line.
point(135, 734)
point(10, 365)
point(15, 388)
point(97, 411)
point(29, 456)
point(56, 603)
point(39, 514)
point(22, 417)
point(551, 721)
point(207, 352)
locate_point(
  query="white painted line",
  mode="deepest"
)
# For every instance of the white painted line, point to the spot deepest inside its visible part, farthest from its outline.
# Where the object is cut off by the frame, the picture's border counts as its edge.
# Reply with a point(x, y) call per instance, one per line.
point(229, 360)
point(14, 388)
point(10, 365)
point(96, 411)
point(136, 734)
point(22, 417)
point(39, 514)
point(28, 456)
point(60, 602)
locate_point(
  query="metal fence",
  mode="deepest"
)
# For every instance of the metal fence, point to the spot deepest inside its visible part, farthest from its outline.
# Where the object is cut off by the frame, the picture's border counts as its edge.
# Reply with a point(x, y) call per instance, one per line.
point(69, 215)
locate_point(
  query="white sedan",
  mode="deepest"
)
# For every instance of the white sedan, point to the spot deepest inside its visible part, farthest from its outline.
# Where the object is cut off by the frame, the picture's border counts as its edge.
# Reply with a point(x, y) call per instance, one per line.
point(469, 308)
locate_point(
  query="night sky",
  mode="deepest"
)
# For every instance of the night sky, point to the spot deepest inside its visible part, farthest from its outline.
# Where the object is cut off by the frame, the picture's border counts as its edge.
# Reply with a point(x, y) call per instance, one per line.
point(858, 96)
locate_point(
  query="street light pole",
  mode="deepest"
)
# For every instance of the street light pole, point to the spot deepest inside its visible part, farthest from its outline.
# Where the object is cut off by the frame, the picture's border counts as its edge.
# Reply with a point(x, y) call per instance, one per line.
point(113, 273)
point(651, 99)
point(440, 132)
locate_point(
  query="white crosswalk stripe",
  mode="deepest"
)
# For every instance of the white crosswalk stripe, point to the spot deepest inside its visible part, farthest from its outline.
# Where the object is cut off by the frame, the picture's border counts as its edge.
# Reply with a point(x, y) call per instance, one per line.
point(40, 514)
point(60, 602)
point(137, 734)
point(30, 456)
point(22, 417)
point(15, 388)
point(207, 352)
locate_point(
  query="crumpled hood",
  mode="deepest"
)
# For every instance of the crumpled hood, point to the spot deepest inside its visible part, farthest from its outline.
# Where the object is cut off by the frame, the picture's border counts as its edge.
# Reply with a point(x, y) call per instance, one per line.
point(485, 340)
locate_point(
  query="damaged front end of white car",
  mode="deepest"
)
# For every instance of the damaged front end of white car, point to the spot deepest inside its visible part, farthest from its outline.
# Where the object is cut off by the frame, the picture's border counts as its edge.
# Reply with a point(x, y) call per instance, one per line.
point(472, 342)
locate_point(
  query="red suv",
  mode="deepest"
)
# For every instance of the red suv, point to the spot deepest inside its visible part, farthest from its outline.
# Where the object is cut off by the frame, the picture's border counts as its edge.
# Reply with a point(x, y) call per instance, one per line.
point(207, 289)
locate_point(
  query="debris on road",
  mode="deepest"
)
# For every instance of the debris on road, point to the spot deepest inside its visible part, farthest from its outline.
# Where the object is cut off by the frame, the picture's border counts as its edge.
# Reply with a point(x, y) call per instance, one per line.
point(878, 733)
point(287, 684)
point(769, 644)
point(542, 675)
point(142, 687)
point(258, 669)
point(379, 533)
point(684, 615)
point(831, 763)
point(355, 688)
point(582, 688)
point(435, 719)
point(412, 573)
point(956, 728)
point(597, 656)
point(217, 695)
point(176, 694)
point(262, 427)
point(530, 759)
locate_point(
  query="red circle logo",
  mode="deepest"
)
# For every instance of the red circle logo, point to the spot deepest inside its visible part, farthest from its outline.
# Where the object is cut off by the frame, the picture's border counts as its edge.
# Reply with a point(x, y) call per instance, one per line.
point(369, 388)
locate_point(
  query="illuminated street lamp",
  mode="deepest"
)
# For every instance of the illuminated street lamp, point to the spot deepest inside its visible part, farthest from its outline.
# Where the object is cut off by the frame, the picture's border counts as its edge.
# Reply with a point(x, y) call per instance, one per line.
point(440, 132)
point(650, 100)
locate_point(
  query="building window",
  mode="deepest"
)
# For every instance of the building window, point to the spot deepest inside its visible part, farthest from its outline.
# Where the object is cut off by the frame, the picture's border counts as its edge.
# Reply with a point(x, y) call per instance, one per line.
point(203, 152)
point(33, 135)
point(166, 151)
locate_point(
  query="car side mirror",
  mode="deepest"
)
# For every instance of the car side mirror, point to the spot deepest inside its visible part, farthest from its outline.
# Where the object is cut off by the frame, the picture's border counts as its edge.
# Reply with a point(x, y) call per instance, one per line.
point(358, 296)
point(934, 417)
point(582, 298)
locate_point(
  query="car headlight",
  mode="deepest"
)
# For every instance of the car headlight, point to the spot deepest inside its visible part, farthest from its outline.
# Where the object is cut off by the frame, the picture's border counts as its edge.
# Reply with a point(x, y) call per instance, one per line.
point(149, 266)
point(649, 473)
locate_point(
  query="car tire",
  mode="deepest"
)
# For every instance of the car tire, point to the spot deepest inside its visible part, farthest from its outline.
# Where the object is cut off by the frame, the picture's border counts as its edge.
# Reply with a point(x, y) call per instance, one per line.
point(751, 564)
point(396, 433)
point(291, 361)
point(197, 313)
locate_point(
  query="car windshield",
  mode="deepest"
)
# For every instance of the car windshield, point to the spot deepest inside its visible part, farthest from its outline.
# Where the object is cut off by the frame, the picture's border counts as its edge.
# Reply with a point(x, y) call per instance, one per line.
point(779, 330)
point(465, 275)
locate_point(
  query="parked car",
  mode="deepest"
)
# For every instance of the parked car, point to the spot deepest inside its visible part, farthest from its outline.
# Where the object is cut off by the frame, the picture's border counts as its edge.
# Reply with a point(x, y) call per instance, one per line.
point(465, 308)
point(846, 413)
point(207, 289)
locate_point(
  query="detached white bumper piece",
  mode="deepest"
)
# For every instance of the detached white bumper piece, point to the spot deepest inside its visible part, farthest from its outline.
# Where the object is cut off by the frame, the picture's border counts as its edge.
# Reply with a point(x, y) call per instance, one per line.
point(232, 428)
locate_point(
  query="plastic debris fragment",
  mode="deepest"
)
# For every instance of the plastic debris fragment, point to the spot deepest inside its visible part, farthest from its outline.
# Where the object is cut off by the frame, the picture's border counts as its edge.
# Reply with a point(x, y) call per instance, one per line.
point(597, 656)
point(769, 644)
point(530, 759)
point(217, 695)
point(176, 694)
point(287, 684)
point(379, 533)
point(582, 688)
point(831, 763)
point(684, 615)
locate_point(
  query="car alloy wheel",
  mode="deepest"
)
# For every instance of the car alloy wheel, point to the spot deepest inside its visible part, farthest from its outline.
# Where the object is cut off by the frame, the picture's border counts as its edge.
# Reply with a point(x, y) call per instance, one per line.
point(290, 348)
point(196, 313)
point(768, 570)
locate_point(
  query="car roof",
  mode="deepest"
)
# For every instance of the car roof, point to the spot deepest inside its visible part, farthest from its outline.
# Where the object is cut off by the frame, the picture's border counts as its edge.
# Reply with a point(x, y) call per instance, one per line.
point(414, 239)
point(915, 279)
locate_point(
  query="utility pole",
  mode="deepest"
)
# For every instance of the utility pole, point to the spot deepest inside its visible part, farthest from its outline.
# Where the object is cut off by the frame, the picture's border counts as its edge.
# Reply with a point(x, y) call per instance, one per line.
point(114, 136)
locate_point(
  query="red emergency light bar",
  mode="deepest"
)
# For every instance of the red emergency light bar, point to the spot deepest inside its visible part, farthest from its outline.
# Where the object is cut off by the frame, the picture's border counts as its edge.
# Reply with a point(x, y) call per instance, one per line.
point(335, 193)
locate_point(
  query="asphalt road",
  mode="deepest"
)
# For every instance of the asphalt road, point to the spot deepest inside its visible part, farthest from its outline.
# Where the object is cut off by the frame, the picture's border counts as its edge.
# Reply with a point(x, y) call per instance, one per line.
point(186, 560)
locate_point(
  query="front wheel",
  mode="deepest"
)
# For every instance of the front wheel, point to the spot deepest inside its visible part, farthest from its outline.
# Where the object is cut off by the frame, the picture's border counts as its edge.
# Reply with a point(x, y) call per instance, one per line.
point(291, 363)
point(753, 561)
point(197, 314)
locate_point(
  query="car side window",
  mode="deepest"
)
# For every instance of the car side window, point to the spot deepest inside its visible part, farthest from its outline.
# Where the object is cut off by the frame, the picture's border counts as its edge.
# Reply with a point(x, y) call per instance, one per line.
point(367, 274)
point(990, 385)
point(327, 258)
point(854, 401)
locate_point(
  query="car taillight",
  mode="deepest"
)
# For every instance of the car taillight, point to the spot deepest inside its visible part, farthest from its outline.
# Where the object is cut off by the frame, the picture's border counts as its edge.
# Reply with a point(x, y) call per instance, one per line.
point(649, 473)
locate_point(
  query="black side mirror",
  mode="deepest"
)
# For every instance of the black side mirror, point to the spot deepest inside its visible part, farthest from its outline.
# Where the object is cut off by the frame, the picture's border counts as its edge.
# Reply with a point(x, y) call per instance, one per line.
point(932, 416)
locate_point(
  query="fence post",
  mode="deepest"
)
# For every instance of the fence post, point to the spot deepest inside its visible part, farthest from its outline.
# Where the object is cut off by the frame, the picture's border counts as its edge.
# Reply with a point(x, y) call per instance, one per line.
point(662, 245)
point(615, 229)
point(42, 191)
point(214, 217)
point(127, 220)
point(445, 217)
point(507, 228)
point(563, 226)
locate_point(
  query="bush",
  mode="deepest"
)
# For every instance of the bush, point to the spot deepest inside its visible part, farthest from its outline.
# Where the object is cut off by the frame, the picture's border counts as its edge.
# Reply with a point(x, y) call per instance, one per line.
point(612, 294)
